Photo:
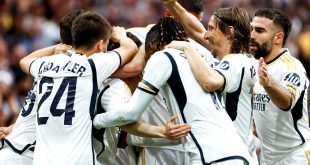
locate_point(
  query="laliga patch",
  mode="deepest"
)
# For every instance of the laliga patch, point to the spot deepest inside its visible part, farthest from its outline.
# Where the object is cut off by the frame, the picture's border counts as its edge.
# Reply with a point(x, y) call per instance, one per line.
point(293, 78)
point(224, 65)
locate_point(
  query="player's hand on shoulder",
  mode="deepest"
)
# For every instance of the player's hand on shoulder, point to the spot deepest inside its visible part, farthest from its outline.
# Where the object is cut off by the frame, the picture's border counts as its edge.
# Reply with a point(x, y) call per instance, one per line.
point(176, 131)
point(179, 45)
point(62, 48)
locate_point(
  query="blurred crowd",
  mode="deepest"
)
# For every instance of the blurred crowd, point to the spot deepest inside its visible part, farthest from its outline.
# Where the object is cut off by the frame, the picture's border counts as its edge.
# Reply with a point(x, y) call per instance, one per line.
point(28, 25)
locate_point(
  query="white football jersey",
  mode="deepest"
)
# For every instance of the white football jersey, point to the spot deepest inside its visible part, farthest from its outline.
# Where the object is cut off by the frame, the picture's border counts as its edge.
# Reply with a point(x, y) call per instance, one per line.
point(157, 112)
point(23, 136)
point(67, 89)
point(239, 73)
point(211, 128)
point(282, 131)
point(114, 93)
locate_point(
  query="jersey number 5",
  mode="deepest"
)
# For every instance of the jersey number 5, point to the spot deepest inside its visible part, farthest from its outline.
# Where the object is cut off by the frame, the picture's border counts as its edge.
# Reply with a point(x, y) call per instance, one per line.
point(67, 82)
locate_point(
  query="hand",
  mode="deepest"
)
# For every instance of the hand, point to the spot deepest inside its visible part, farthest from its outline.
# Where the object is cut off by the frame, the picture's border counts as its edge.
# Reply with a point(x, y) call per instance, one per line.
point(4, 131)
point(176, 131)
point(117, 34)
point(262, 72)
point(62, 48)
point(179, 45)
point(168, 3)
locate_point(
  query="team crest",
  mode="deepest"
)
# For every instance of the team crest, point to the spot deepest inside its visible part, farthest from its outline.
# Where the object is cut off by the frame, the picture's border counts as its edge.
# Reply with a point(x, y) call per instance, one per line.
point(293, 78)
point(224, 65)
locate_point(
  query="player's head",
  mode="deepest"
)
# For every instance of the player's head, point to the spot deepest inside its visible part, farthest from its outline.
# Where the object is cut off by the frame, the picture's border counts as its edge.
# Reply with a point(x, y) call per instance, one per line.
point(162, 33)
point(194, 7)
point(229, 24)
point(270, 27)
point(90, 31)
point(65, 25)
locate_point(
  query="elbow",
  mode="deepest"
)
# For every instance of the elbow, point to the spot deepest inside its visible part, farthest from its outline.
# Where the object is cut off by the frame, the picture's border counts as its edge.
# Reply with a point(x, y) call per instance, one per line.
point(23, 66)
point(208, 85)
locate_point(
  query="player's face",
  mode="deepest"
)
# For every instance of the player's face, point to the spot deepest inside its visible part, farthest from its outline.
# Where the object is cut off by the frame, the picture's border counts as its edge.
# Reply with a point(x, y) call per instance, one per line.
point(261, 37)
point(214, 37)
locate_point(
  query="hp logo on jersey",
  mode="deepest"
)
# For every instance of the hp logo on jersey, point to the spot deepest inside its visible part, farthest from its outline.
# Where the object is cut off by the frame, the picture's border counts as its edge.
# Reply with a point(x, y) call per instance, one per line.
point(293, 78)
point(224, 65)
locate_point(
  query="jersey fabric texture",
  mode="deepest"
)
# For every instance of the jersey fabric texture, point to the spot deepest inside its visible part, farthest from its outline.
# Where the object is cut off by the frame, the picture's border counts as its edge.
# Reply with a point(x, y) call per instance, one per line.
point(283, 131)
point(66, 94)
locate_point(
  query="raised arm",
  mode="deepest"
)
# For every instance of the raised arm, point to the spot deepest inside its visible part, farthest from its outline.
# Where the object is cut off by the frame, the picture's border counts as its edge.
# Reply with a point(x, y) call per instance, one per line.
point(127, 48)
point(279, 95)
point(192, 26)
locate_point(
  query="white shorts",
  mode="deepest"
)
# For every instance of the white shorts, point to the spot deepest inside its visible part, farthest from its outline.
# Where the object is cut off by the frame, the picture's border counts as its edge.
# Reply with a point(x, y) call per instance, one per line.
point(9, 157)
point(162, 156)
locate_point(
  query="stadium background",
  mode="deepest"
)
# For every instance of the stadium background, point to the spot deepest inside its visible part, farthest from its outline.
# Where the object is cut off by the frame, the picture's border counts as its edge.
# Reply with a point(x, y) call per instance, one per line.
point(27, 25)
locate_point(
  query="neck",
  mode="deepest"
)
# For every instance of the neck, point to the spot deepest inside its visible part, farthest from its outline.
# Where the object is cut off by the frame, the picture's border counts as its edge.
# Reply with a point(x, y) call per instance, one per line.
point(83, 51)
point(224, 51)
point(273, 54)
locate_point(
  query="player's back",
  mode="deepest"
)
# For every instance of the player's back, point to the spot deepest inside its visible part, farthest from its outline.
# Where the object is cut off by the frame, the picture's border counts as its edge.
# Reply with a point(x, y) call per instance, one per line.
point(66, 96)
point(212, 129)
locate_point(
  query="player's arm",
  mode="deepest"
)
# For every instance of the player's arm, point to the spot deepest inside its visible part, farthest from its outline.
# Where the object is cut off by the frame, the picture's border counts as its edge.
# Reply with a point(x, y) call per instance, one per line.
point(5, 131)
point(169, 131)
point(192, 26)
point(127, 48)
point(209, 79)
point(279, 95)
point(134, 67)
point(55, 49)
point(153, 79)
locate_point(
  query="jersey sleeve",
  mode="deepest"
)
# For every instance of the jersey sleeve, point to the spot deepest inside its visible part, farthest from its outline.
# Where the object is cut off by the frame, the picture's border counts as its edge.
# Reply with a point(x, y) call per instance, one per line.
point(153, 79)
point(297, 83)
point(35, 67)
point(106, 64)
point(231, 73)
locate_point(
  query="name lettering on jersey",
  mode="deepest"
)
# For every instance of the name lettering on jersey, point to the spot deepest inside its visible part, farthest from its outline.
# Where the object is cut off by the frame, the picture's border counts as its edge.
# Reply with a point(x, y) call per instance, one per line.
point(49, 66)
point(259, 101)
point(70, 66)
point(224, 65)
point(293, 78)
point(74, 68)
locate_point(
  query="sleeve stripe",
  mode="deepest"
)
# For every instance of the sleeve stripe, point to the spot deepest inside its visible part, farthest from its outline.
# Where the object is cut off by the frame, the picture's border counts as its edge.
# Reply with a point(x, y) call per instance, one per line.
point(120, 58)
point(147, 87)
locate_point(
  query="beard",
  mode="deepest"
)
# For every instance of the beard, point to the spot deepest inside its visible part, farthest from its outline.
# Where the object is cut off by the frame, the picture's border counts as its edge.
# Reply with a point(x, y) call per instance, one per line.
point(262, 49)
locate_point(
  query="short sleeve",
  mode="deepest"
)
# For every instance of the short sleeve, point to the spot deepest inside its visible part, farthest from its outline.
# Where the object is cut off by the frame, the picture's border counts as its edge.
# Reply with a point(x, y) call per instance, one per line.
point(106, 64)
point(231, 73)
point(157, 70)
point(35, 66)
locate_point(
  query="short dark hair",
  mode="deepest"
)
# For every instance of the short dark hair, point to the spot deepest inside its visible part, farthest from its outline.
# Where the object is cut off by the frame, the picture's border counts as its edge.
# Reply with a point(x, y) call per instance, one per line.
point(279, 19)
point(162, 33)
point(193, 6)
point(65, 25)
point(241, 21)
point(89, 28)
